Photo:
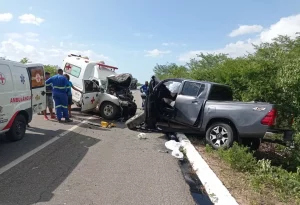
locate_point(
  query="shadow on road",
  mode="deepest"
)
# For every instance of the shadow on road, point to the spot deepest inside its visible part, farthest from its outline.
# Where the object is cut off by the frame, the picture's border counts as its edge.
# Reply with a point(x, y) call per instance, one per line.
point(34, 137)
point(35, 179)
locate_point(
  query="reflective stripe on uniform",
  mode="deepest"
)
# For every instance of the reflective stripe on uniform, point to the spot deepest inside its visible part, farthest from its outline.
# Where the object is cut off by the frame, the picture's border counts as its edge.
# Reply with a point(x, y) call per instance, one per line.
point(61, 106)
point(58, 87)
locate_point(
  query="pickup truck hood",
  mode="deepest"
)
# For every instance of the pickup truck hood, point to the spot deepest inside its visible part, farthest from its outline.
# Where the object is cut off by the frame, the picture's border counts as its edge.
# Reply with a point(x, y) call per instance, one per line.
point(120, 80)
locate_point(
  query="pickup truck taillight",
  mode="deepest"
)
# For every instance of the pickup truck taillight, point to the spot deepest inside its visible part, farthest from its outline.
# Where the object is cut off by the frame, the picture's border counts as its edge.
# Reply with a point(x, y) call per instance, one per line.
point(270, 118)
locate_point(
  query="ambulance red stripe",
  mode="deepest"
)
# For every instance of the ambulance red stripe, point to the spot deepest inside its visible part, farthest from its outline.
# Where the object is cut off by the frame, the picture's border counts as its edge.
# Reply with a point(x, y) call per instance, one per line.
point(11, 121)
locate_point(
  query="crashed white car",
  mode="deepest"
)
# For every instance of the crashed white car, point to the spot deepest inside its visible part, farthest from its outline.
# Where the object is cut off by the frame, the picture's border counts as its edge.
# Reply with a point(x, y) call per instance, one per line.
point(104, 91)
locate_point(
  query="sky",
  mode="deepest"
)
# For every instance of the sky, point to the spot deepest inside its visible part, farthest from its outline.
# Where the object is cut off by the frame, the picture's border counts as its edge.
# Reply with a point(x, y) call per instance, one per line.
point(135, 35)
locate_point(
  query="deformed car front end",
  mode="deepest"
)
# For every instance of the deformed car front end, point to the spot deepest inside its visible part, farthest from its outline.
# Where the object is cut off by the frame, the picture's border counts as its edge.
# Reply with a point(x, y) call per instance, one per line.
point(117, 100)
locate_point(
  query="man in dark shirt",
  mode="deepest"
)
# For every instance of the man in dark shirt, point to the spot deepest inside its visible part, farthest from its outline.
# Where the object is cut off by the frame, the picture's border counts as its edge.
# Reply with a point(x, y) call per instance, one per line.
point(49, 99)
point(144, 88)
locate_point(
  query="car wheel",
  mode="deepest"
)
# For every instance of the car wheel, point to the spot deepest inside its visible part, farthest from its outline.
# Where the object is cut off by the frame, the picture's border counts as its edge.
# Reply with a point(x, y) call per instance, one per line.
point(220, 135)
point(252, 143)
point(109, 110)
point(136, 120)
point(18, 129)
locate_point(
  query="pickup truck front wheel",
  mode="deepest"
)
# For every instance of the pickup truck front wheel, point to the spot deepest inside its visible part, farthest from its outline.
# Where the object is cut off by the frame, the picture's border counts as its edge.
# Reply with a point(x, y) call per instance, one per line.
point(220, 135)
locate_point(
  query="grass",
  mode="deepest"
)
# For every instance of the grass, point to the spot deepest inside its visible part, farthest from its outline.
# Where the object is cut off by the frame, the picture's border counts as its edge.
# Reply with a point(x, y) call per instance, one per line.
point(273, 172)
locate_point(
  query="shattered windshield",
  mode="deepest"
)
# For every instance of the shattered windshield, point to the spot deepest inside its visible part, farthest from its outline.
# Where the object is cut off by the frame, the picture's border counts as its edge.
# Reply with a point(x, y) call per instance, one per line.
point(173, 86)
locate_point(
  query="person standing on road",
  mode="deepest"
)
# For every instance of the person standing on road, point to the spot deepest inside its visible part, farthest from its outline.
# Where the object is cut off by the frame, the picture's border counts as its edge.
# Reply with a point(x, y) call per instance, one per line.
point(144, 88)
point(69, 93)
point(49, 99)
point(59, 91)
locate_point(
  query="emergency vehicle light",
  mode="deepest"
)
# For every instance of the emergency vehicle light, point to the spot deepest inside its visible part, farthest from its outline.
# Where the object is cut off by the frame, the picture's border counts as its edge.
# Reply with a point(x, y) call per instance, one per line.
point(70, 55)
point(107, 66)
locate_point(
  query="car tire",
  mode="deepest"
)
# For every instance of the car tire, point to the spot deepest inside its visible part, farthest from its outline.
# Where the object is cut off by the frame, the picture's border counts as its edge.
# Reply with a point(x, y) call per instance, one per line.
point(109, 111)
point(18, 129)
point(252, 143)
point(136, 120)
point(220, 135)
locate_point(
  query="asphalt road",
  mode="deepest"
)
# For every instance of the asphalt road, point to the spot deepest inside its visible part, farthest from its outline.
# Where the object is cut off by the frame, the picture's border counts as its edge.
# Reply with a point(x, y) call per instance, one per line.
point(89, 165)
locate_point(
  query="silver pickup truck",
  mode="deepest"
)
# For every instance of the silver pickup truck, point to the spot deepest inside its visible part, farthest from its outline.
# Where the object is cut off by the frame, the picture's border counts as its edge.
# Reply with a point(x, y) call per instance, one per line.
point(208, 109)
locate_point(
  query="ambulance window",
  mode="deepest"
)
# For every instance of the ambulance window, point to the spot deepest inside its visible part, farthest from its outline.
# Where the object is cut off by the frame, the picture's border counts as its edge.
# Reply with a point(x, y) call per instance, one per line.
point(21, 78)
point(72, 70)
point(37, 77)
point(91, 86)
point(6, 84)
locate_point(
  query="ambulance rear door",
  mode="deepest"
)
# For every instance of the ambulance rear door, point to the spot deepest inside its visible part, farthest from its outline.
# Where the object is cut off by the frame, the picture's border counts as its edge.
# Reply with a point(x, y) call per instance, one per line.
point(6, 94)
point(90, 96)
point(38, 89)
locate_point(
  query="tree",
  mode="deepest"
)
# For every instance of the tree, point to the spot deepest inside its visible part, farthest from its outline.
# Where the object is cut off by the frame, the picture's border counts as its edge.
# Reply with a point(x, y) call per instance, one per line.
point(207, 61)
point(170, 70)
point(51, 69)
point(25, 60)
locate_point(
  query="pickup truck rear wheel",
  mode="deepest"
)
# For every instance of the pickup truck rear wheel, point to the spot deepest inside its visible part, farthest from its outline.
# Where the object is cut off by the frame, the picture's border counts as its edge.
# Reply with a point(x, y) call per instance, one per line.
point(220, 135)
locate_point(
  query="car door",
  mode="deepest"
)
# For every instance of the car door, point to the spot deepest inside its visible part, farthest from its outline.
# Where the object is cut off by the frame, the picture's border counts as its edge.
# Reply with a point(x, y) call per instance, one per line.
point(90, 96)
point(38, 89)
point(189, 102)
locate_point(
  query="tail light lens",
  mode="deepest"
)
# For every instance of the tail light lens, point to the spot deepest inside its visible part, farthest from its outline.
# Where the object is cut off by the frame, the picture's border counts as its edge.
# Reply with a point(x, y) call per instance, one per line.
point(270, 118)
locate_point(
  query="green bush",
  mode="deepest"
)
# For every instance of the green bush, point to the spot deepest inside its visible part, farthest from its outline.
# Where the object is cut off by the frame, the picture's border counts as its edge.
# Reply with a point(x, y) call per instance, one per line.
point(262, 175)
point(51, 69)
point(239, 158)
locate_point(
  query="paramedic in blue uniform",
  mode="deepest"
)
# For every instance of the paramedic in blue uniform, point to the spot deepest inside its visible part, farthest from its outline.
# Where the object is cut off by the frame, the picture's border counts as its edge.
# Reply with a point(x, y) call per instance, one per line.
point(144, 88)
point(59, 92)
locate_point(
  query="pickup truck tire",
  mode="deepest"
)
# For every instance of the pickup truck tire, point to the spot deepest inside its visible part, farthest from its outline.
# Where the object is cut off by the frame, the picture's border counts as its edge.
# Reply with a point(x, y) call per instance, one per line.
point(109, 111)
point(219, 135)
point(18, 129)
point(136, 120)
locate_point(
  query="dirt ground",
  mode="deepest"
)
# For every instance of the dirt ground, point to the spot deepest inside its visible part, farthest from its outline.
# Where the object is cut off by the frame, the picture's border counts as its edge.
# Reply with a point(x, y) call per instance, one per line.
point(238, 184)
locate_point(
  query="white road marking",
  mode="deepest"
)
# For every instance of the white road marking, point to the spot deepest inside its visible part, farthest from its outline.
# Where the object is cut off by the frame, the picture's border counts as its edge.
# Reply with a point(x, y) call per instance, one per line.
point(215, 189)
point(39, 148)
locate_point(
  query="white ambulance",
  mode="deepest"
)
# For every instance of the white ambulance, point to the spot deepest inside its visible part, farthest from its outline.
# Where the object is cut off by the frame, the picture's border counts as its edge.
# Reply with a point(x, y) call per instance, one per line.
point(93, 78)
point(22, 94)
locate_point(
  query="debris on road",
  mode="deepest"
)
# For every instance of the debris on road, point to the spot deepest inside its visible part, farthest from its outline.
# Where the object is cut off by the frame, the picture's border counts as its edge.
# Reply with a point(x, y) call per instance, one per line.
point(172, 145)
point(107, 124)
point(175, 147)
point(142, 136)
point(163, 151)
point(176, 153)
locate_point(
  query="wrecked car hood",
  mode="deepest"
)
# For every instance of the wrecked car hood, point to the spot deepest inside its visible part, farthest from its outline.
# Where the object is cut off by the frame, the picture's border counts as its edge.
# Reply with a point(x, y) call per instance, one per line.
point(120, 80)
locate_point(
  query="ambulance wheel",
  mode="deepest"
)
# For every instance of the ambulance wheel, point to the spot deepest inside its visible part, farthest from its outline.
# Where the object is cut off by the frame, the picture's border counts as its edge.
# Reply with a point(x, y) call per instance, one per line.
point(18, 129)
point(109, 110)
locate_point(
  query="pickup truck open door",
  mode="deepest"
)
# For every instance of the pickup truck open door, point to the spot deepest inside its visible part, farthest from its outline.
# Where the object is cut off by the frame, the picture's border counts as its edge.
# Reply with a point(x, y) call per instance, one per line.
point(90, 96)
point(189, 102)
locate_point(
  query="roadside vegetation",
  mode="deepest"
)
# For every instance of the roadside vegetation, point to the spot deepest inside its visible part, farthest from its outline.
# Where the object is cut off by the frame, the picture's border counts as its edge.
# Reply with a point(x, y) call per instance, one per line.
point(48, 68)
point(270, 74)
